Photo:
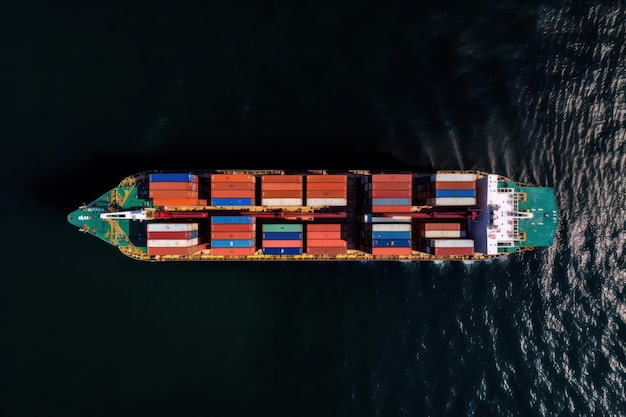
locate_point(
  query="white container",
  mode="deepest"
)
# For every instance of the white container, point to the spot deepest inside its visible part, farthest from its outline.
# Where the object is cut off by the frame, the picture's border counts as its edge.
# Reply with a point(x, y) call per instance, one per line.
point(442, 233)
point(171, 227)
point(172, 243)
point(451, 243)
point(452, 201)
point(281, 202)
point(326, 201)
point(452, 177)
point(390, 227)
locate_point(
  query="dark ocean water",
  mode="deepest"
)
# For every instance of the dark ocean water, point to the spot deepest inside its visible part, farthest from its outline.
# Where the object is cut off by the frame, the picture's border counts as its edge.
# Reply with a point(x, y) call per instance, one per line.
point(532, 90)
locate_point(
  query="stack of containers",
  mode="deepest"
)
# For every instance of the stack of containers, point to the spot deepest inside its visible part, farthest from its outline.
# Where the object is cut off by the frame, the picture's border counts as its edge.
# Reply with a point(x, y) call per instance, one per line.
point(327, 190)
point(390, 193)
point(172, 239)
point(388, 238)
point(281, 190)
point(233, 235)
point(174, 189)
point(324, 239)
point(437, 230)
point(233, 189)
point(450, 247)
point(451, 189)
point(282, 239)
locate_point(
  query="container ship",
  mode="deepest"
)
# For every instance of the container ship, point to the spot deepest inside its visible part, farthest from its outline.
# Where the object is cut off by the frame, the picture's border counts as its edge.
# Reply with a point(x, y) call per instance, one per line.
point(320, 215)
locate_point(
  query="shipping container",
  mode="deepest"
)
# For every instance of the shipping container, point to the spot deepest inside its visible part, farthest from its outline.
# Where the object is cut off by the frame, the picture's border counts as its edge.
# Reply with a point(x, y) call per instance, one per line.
point(452, 251)
point(323, 227)
point(451, 201)
point(183, 186)
point(452, 177)
point(326, 202)
point(281, 235)
point(391, 201)
point(232, 219)
point(173, 193)
point(171, 227)
point(391, 209)
point(277, 202)
point(391, 251)
point(391, 235)
point(168, 243)
point(225, 186)
point(455, 185)
point(320, 250)
point(390, 227)
point(282, 251)
point(326, 194)
point(454, 193)
point(234, 228)
point(286, 186)
point(175, 251)
point(326, 243)
point(282, 194)
point(391, 194)
point(327, 186)
point(441, 226)
point(232, 194)
point(281, 243)
point(235, 243)
point(233, 251)
point(389, 186)
point(232, 235)
point(178, 202)
point(368, 218)
point(323, 235)
point(442, 233)
point(232, 178)
point(281, 178)
point(232, 201)
point(326, 178)
point(190, 234)
point(382, 243)
point(173, 177)
point(282, 228)
point(392, 178)
point(450, 243)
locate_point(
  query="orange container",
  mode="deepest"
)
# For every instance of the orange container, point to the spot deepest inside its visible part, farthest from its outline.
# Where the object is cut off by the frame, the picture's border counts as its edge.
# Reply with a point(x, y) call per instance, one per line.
point(391, 186)
point(178, 202)
point(282, 243)
point(441, 226)
point(326, 243)
point(190, 186)
point(232, 178)
point(281, 178)
point(392, 194)
point(233, 227)
point(282, 194)
point(233, 185)
point(173, 194)
point(327, 186)
point(323, 235)
point(323, 228)
point(326, 194)
point(391, 209)
point(281, 186)
point(232, 235)
point(232, 251)
point(392, 178)
point(232, 194)
point(455, 185)
point(326, 178)
point(391, 251)
point(175, 250)
point(333, 250)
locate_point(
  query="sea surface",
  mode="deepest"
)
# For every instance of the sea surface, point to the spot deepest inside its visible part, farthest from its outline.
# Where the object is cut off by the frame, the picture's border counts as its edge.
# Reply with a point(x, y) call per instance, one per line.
point(534, 90)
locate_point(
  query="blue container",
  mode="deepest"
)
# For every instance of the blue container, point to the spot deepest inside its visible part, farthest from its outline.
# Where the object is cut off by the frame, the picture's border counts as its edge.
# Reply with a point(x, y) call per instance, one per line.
point(282, 251)
point(238, 243)
point(282, 235)
point(455, 193)
point(231, 201)
point(391, 201)
point(396, 243)
point(391, 235)
point(173, 177)
point(232, 220)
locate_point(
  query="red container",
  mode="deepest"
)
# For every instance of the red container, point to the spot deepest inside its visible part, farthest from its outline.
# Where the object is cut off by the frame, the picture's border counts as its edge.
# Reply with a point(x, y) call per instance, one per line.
point(391, 194)
point(326, 178)
point(173, 194)
point(178, 202)
point(170, 235)
point(326, 194)
point(233, 227)
point(333, 250)
point(183, 186)
point(391, 209)
point(455, 185)
point(232, 235)
point(326, 243)
point(232, 251)
point(233, 186)
point(392, 178)
point(281, 186)
point(175, 250)
point(232, 178)
point(323, 228)
point(453, 251)
point(323, 235)
point(391, 251)
point(232, 194)
point(282, 243)
point(282, 194)
point(327, 186)
point(442, 226)
point(281, 178)
point(391, 186)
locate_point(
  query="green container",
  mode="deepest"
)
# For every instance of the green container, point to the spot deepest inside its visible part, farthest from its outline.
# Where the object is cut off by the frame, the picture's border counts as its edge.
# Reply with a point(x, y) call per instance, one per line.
point(282, 227)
